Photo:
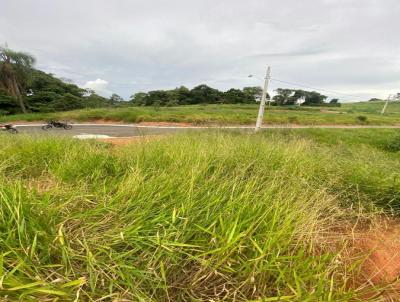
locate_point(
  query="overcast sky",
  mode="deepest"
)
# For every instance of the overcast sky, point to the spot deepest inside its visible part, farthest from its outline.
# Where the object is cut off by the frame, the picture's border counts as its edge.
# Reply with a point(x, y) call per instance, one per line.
point(126, 46)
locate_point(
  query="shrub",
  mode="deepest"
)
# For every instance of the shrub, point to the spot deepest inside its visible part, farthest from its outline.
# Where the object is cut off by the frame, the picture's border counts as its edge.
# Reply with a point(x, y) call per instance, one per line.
point(393, 144)
point(362, 118)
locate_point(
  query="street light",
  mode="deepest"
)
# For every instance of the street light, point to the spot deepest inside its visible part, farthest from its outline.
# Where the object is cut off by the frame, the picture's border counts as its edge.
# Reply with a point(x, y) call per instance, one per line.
point(254, 76)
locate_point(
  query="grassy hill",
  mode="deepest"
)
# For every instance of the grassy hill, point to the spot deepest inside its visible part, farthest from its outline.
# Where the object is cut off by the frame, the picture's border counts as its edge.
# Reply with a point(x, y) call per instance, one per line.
point(348, 114)
point(372, 107)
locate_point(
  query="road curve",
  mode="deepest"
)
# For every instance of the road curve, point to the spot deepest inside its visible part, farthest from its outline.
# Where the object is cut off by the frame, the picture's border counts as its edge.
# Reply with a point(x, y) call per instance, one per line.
point(132, 130)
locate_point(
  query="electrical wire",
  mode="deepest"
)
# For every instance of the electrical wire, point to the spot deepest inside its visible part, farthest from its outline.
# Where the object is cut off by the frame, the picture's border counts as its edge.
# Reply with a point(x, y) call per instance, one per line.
point(360, 98)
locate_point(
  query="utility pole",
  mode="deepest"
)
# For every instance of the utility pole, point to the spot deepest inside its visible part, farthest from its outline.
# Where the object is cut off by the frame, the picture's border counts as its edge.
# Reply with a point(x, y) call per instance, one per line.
point(386, 104)
point(263, 99)
point(301, 100)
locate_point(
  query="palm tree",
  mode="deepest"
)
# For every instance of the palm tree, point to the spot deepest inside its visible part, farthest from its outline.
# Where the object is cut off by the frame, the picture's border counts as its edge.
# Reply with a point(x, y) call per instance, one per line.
point(15, 68)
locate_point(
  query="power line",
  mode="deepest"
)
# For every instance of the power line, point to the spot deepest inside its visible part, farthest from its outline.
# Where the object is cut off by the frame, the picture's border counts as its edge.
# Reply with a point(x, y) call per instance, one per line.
point(320, 89)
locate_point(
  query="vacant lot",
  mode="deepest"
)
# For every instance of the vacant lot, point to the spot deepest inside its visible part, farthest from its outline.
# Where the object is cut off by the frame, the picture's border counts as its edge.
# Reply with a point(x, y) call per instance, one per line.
point(202, 217)
point(348, 114)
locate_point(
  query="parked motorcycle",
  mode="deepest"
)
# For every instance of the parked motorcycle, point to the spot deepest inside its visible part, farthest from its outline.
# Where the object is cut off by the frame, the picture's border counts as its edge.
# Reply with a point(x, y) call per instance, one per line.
point(9, 128)
point(57, 124)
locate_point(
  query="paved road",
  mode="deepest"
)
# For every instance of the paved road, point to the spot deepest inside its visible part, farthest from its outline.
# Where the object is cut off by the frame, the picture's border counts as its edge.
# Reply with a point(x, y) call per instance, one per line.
point(129, 130)
point(109, 130)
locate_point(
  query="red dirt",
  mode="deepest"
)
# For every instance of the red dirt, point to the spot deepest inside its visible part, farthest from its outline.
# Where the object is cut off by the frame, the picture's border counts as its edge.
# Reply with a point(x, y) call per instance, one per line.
point(380, 249)
point(383, 263)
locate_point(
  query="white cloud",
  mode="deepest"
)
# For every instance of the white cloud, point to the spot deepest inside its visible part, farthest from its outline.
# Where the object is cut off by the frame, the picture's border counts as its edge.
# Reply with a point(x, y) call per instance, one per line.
point(99, 86)
point(142, 45)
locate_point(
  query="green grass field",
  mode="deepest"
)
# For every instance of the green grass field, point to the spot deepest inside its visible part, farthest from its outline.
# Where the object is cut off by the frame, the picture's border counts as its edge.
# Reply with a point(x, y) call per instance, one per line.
point(208, 216)
point(348, 114)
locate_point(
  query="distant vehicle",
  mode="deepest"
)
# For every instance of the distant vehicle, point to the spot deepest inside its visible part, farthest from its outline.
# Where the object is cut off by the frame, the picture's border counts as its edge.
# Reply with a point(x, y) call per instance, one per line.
point(9, 128)
point(57, 124)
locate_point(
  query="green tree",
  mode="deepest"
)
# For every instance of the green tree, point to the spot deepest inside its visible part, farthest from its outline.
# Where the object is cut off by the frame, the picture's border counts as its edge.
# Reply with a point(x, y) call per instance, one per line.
point(116, 99)
point(138, 99)
point(157, 98)
point(283, 96)
point(290, 96)
point(46, 91)
point(181, 95)
point(335, 102)
point(42, 100)
point(314, 98)
point(89, 91)
point(67, 102)
point(15, 68)
point(8, 105)
point(236, 96)
point(254, 93)
point(96, 101)
point(297, 94)
point(204, 94)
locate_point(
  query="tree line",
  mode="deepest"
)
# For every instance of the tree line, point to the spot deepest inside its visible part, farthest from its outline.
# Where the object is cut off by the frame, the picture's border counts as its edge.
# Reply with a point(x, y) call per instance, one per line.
point(26, 89)
point(204, 94)
point(201, 94)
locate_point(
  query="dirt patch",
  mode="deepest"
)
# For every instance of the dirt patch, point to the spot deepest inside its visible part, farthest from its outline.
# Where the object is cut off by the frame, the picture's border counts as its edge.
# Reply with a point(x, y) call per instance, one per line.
point(330, 111)
point(383, 263)
point(42, 185)
point(377, 249)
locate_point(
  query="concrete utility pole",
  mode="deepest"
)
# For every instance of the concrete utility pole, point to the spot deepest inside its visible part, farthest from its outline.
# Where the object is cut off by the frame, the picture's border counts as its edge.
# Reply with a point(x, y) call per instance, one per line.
point(301, 100)
point(386, 104)
point(263, 99)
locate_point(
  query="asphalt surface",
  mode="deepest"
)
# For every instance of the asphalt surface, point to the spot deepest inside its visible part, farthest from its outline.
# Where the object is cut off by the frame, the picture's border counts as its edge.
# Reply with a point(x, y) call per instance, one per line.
point(109, 130)
point(132, 130)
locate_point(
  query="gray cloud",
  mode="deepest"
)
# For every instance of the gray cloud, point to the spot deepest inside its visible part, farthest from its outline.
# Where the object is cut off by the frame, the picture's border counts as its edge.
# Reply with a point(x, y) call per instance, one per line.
point(350, 46)
point(294, 53)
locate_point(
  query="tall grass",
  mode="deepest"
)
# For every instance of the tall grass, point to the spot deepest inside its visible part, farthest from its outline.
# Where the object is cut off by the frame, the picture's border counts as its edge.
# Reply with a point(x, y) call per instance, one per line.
point(223, 114)
point(194, 217)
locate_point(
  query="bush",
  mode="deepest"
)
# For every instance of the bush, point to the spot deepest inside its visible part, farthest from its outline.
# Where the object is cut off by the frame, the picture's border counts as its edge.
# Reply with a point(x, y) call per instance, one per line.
point(172, 103)
point(362, 118)
point(293, 119)
point(393, 144)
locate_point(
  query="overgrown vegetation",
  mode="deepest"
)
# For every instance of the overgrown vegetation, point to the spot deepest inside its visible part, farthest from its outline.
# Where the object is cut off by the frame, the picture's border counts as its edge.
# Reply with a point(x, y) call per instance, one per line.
point(201, 94)
point(204, 94)
point(225, 114)
point(204, 216)
point(310, 98)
